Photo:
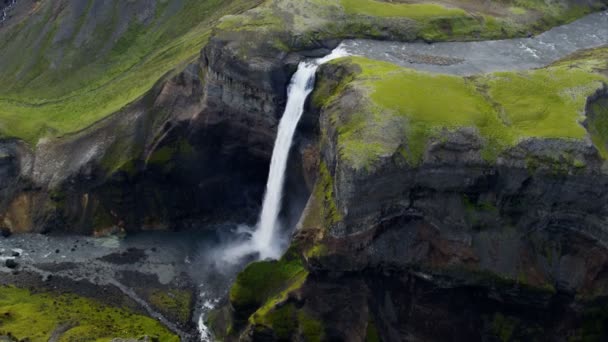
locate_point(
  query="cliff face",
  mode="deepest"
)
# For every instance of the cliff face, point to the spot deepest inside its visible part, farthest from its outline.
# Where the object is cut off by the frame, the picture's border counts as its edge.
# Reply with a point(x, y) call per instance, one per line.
point(194, 149)
point(111, 147)
point(174, 157)
point(397, 245)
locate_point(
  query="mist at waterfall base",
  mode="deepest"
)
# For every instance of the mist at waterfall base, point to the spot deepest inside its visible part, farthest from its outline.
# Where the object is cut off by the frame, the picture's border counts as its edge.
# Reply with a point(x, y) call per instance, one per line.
point(268, 239)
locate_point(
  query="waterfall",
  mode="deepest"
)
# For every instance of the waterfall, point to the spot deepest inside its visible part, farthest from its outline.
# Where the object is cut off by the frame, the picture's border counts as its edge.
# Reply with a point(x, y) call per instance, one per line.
point(265, 239)
point(301, 86)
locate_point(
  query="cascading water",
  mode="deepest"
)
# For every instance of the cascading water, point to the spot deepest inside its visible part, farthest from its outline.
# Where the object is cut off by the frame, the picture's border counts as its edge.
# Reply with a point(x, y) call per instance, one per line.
point(302, 84)
point(265, 241)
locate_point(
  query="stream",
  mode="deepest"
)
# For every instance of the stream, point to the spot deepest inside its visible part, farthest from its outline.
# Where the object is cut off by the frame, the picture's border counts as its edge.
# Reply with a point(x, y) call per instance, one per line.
point(469, 58)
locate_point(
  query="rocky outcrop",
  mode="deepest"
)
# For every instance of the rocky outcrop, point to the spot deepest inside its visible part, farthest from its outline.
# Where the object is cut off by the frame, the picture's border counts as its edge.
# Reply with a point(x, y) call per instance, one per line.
point(454, 247)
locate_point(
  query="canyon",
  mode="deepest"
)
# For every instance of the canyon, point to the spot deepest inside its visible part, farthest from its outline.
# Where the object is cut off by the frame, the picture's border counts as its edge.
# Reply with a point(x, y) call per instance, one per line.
point(425, 218)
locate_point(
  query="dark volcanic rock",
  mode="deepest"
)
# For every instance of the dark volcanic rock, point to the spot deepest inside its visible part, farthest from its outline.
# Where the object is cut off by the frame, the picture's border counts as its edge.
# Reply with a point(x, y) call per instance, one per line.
point(5, 232)
point(10, 263)
point(130, 256)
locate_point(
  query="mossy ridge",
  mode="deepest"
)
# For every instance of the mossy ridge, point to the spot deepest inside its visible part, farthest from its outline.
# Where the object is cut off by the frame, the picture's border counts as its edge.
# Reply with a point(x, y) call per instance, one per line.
point(309, 21)
point(262, 280)
point(262, 291)
point(36, 315)
point(322, 214)
point(505, 108)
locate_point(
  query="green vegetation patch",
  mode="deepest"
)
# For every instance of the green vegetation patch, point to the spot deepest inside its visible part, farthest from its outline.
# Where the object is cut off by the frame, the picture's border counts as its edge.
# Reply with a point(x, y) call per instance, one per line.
point(371, 335)
point(503, 327)
point(264, 279)
point(406, 108)
point(389, 9)
point(174, 303)
point(287, 320)
point(35, 316)
point(598, 125)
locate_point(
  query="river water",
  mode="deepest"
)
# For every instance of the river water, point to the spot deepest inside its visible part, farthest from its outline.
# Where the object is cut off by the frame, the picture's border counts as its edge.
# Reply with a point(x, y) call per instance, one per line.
point(468, 58)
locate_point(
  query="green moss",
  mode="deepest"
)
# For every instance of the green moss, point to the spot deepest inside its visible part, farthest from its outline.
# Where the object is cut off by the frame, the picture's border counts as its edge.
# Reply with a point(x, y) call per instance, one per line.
point(468, 28)
point(546, 103)
point(407, 108)
point(518, 10)
point(220, 321)
point(503, 327)
point(120, 157)
point(326, 191)
point(283, 321)
point(388, 9)
point(258, 19)
point(264, 279)
point(598, 125)
point(310, 328)
point(162, 155)
point(173, 303)
point(59, 197)
point(36, 315)
point(317, 250)
point(286, 321)
point(371, 335)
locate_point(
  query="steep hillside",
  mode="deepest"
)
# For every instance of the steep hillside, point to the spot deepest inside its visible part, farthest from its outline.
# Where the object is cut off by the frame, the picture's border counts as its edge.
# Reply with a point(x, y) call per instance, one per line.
point(67, 64)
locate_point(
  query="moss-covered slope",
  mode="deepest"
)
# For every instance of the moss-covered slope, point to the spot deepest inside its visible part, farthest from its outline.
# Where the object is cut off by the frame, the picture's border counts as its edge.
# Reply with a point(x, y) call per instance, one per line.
point(36, 317)
point(403, 109)
point(66, 65)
